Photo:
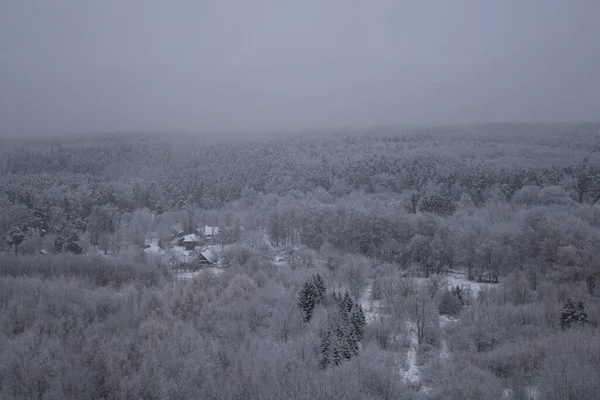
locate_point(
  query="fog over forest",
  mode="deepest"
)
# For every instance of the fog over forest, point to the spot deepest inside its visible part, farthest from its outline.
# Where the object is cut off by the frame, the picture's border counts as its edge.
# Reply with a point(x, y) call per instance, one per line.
point(118, 65)
point(299, 200)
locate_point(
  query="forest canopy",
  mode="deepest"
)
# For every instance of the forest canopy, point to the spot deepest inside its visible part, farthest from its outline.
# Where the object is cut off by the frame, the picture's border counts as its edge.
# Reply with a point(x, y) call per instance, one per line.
point(449, 262)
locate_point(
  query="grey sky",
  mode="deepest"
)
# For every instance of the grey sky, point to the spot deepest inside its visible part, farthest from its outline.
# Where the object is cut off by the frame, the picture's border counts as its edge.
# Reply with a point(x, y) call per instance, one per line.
point(107, 65)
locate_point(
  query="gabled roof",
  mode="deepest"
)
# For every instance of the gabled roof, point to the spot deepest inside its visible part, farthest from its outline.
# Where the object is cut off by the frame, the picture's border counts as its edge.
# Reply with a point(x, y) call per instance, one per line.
point(192, 237)
point(210, 256)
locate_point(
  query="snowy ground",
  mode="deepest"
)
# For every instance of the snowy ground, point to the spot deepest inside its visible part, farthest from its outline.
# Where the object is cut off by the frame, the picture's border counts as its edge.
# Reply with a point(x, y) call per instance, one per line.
point(409, 370)
point(185, 275)
point(444, 350)
point(455, 279)
point(412, 374)
point(370, 307)
point(530, 392)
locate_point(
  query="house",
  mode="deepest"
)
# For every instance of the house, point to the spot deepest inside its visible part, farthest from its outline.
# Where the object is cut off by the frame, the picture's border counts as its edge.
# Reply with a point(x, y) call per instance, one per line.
point(206, 257)
point(153, 244)
point(190, 242)
point(178, 231)
point(210, 231)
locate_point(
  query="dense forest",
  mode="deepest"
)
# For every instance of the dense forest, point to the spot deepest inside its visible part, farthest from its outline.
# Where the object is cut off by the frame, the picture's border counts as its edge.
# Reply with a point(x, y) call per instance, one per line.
point(426, 263)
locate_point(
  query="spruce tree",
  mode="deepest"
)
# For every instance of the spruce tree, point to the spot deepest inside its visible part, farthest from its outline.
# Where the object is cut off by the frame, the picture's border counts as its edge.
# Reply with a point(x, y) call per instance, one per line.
point(357, 320)
point(15, 237)
point(336, 354)
point(59, 243)
point(325, 350)
point(572, 314)
point(349, 344)
point(346, 303)
point(320, 288)
point(457, 291)
point(307, 300)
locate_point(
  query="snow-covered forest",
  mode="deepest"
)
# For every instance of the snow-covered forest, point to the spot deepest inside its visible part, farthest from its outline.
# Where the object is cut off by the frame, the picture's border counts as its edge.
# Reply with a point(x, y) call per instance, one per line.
point(430, 263)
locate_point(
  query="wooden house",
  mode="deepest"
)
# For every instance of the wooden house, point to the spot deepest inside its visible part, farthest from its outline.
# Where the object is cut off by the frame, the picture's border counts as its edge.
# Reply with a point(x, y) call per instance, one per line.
point(190, 242)
point(206, 258)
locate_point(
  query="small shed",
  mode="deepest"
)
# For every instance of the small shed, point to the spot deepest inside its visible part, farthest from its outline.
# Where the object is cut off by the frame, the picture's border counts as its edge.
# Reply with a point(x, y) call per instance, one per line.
point(178, 231)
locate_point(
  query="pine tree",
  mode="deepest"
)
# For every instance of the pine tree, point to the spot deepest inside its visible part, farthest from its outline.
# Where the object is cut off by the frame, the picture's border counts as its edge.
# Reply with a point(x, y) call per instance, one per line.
point(347, 302)
point(349, 344)
point(325, 350)
point(320, 288)
point(457, 291)
point(69, 243)
point(158, 208)
point(307, 300)
point(358, 322)
point(336, 354)
point(59, 243)
point(361, 316)
point(572, 314)
point(15, 237)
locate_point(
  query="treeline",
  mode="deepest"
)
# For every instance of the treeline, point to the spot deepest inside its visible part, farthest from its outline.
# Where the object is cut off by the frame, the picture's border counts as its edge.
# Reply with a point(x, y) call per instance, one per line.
point(170, 172)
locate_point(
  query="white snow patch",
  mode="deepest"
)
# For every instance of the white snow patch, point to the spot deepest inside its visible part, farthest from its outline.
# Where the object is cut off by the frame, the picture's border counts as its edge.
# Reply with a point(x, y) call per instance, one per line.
point(411, 373)
point(216, 248)
point(370, 307)
point(211, 230)
point(461, 280)
point(444, 322)
point(192, 237)
point(182, 255)
point(153, 247)
point(185, 275)
point(531, 393)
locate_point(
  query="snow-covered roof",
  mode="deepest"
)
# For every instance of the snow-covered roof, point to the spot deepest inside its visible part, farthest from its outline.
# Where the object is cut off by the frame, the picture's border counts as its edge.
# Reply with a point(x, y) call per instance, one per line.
point(211, 230)
point(210, 256)
point(150, 240)
point(192, 237)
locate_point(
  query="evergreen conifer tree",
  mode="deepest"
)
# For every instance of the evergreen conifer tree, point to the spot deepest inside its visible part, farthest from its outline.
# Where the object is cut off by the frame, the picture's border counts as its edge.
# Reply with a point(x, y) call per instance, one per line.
point(320, 288)
point(348, 342)
point(325, 350)
point(336, 354)
point(572, 314)
point(307, 300)
point(15, 237)
point(357, 320)
point(457, 291)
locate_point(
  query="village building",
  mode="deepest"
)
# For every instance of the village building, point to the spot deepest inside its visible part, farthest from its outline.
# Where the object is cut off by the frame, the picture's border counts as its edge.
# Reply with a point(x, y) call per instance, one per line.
point(206, 258)
point(178, 231)
point(190, 242)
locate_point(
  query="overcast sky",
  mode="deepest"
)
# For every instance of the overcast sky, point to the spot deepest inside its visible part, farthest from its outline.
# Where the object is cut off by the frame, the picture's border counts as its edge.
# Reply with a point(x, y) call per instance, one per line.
point(79, 65)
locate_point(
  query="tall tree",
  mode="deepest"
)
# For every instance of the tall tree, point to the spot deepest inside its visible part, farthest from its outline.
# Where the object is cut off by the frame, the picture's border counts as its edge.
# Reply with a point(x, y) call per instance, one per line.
point(307, 300)
point(572, 314)
point(15, 237)
point(320, 288)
